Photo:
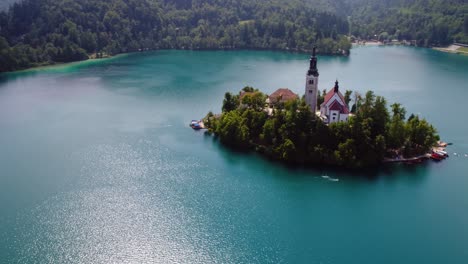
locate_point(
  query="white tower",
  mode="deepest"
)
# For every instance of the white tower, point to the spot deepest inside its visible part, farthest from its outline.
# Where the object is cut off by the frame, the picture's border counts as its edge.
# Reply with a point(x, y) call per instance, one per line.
point(311, 87)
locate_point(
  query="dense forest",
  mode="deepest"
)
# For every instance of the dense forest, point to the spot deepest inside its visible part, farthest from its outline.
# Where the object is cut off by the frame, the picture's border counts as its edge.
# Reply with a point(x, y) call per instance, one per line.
point(35, 32)
point(428, 22)
point(38, 32)
point(294, 135)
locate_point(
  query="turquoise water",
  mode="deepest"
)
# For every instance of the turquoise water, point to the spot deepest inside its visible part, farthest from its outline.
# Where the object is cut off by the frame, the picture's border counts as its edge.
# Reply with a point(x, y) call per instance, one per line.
point(98, 165)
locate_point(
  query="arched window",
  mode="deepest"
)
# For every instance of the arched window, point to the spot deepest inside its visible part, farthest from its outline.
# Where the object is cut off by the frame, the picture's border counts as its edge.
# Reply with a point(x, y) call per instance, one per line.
point(311, 81)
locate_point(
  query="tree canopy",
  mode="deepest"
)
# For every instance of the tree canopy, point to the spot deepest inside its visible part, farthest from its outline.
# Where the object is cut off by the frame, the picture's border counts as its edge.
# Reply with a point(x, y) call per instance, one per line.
point(428, 22)
point(35, 32)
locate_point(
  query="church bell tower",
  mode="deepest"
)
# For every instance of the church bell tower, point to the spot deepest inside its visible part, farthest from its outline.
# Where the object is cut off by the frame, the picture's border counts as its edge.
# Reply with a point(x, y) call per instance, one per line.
point(311, 87)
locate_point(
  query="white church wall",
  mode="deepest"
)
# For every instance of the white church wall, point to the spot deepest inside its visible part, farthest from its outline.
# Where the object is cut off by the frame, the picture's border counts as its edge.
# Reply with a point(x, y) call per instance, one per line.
point(344, 117)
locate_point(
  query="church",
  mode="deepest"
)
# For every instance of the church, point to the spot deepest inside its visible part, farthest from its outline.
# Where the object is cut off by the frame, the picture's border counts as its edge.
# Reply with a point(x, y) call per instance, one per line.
point(334, 108)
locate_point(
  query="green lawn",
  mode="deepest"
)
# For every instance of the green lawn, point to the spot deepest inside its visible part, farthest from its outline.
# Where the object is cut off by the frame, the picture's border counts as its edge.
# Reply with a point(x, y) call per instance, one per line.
point(463, 49)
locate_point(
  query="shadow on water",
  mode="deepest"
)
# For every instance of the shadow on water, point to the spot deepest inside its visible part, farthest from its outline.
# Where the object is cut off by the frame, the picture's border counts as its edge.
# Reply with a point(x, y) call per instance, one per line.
point(69, 67)
point(391, 172)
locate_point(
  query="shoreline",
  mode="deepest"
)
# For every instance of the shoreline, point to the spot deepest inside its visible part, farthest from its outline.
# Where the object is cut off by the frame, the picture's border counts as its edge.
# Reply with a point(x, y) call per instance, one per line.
point(59, 65)
point(259, 150)
point(454, 49)
point(93, 57)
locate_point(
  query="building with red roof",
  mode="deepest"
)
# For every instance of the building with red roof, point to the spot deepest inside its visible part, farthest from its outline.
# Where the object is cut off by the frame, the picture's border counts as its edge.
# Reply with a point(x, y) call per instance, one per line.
point(334, 108)
point(282, 95)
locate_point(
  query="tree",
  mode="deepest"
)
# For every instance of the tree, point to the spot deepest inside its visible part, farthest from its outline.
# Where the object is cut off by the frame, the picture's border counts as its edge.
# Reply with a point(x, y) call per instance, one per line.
point(4, 44)
point(398, 111)
point(465, 24)
point(233, 130)
point(287, 150)
point(345, 155)
point(230, 102)
point(347, 97)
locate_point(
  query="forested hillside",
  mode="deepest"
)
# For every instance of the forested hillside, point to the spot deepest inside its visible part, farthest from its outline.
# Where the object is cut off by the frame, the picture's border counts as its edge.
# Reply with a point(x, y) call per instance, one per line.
point(429, 22)
point(35, 32)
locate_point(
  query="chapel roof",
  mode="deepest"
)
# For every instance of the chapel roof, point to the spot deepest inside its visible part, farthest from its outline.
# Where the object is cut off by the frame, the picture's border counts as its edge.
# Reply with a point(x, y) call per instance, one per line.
point(335, 90)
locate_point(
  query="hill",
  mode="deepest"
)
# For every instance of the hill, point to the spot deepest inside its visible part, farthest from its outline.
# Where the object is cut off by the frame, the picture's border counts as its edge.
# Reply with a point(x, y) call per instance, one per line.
point(429, 22)
point(35, 32)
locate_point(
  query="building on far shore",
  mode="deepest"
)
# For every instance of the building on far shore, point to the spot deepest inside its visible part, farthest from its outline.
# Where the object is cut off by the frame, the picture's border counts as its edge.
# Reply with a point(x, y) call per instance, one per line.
point(282, 95)
point(334, 108)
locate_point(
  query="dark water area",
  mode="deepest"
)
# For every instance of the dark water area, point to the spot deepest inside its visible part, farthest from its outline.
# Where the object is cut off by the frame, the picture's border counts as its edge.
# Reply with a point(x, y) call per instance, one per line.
point(98, 165)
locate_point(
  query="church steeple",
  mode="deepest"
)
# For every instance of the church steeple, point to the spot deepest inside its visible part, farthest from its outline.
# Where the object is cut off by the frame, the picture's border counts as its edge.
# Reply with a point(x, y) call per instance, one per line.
point(336, 86)
point(311, 87)
point(313, 64)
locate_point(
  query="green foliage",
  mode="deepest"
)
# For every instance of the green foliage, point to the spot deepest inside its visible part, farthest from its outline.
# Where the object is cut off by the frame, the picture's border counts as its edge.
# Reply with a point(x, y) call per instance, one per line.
point(255, 100)
point(293, 134)
point(230, 102)
point(347, 97)
point(429, 22)
point(47, 31)
point(232, 129)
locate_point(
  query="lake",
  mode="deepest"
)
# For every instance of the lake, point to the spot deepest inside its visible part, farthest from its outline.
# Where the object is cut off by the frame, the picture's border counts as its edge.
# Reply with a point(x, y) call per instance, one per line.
point(98, 165)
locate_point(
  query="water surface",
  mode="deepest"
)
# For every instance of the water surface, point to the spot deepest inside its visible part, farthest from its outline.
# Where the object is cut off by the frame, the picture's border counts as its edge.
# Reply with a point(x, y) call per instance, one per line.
point(98, 165)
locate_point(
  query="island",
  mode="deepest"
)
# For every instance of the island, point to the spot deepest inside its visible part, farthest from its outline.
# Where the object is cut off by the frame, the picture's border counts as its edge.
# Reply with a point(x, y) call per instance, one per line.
point(319, 128)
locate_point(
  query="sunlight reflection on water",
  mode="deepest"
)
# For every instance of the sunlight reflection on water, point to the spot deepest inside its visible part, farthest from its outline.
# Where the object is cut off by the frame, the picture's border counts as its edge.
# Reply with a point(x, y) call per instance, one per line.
point(113, 216)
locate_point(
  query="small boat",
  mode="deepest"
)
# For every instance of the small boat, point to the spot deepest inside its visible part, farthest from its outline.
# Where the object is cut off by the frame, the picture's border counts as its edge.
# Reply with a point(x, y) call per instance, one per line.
point(195, 124)
point(442, 153)
point(330, 178)
point(436, 156)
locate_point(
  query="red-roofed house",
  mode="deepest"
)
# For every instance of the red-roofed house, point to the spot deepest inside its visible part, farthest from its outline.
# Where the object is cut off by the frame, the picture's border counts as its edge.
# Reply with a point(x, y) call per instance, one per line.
point(334, 107)
point(281, 95)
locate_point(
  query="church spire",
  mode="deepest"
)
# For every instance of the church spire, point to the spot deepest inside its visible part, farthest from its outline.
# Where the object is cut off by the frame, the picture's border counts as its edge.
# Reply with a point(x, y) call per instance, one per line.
point(313, 64)
point(336, 86)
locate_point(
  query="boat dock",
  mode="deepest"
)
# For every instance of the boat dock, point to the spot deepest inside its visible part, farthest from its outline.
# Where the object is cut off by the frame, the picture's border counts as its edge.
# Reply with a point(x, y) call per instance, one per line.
point(416, 159)
point(437, 153)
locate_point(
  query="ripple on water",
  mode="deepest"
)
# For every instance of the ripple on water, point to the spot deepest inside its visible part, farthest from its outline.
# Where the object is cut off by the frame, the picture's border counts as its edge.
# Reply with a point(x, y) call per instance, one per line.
point(124, 208)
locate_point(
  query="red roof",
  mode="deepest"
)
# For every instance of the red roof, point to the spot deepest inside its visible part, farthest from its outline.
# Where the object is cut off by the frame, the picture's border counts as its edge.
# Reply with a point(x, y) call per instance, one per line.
point(339, 107)
point(282, 95)
point(330, 95)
